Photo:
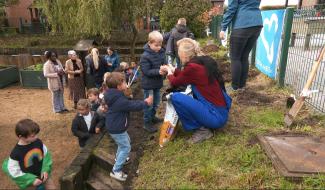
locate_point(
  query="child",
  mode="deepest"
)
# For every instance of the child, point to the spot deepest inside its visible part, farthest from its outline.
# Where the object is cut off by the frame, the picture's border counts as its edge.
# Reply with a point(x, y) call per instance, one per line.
point(102, 109)
point(117, 119)
point(134, 68)
point(125, 68)
point(151, 60)
point(86, 122)
point(30, 162)
point(93, 97)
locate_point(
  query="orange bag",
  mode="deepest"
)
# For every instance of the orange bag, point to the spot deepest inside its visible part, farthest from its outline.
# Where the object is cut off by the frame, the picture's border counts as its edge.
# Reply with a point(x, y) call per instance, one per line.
point(168, 128)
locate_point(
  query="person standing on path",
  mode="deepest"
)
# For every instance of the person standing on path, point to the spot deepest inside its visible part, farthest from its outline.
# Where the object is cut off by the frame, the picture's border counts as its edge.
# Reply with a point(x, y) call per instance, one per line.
point(112, 59)
point(74, 68)
point(247, 23)
point(97, 67)
point(54, 73)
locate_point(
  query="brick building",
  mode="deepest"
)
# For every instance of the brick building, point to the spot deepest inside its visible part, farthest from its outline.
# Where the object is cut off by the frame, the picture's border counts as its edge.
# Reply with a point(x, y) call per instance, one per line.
point(19, 11)
point(308, 3)
point(219, 5)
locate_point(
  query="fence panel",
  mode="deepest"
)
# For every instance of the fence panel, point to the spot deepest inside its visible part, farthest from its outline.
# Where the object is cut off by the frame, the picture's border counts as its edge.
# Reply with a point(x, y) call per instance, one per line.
point(308, 37)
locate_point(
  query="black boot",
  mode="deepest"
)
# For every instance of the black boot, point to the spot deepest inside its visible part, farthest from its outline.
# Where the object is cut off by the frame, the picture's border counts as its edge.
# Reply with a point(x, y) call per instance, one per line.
point(149, 127)
point(156, 120)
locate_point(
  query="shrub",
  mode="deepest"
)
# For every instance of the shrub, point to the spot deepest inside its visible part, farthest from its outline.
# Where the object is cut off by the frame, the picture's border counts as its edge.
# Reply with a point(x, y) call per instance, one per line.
point(191, 10)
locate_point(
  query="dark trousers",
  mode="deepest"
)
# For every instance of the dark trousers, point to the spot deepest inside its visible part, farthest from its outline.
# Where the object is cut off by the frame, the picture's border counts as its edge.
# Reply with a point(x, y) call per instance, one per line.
point(241, 43)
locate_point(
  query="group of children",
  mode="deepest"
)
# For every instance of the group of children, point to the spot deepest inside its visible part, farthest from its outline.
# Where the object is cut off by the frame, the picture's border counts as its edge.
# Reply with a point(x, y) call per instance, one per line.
point(106, 110)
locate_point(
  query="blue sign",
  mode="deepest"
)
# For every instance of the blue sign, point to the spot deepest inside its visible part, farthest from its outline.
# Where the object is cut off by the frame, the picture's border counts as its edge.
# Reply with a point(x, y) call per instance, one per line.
point(267, 48)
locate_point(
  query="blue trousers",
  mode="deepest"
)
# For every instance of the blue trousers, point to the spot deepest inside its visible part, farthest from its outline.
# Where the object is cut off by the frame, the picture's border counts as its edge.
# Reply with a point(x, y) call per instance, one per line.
point(150, 111)
point(198, 112)
point(123, 149)
point(57, 100)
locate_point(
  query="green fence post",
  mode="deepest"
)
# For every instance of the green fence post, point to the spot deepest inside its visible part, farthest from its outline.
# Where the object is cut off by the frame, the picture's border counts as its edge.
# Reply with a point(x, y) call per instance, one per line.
point(213, 27)
point(219, 21)
point(285, 44)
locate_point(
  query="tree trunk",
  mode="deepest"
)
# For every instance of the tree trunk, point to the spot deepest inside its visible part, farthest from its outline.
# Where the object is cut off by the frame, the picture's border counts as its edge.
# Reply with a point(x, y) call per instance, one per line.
point(133, 42)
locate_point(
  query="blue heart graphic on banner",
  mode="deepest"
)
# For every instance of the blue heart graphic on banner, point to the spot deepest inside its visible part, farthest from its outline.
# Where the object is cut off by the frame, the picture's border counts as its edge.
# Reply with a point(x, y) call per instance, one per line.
point(269, 41)
point(270, 27)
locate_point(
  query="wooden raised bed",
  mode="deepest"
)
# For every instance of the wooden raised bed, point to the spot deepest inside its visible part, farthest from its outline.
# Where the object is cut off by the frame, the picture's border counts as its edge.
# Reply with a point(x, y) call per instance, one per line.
point(8, 75)
point(32, 78)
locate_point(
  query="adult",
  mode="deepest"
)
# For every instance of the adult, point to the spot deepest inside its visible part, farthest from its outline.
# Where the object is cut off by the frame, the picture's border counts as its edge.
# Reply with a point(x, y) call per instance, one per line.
point(74, 68)
point(96, 67)
point(179, 32)
point(209, 107)
point(112, 59)
point(54, 73)
point(247, 23)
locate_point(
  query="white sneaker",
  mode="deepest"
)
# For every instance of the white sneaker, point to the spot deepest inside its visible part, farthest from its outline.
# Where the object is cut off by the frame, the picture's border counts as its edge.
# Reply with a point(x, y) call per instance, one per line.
point(121, 176)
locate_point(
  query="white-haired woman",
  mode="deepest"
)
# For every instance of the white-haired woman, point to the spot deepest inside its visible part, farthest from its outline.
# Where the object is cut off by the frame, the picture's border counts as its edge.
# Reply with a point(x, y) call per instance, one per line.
point(75, 70)
point(97, 67)
point(209, 107)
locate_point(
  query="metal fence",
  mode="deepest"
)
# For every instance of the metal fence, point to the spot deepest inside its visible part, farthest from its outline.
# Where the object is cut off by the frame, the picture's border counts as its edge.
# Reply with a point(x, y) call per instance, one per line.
point(307, 39)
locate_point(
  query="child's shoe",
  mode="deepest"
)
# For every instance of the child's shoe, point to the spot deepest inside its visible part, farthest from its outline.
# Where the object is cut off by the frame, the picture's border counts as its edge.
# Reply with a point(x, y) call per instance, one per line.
point(121, 176)
point(149, 128)
point(156, 120)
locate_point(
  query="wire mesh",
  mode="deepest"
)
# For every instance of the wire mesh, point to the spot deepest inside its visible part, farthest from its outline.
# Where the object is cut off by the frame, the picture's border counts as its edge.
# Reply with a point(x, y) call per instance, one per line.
point(307, 39)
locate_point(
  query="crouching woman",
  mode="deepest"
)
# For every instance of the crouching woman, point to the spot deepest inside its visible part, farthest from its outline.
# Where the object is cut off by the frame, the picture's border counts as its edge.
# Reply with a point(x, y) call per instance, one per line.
point(209, 107)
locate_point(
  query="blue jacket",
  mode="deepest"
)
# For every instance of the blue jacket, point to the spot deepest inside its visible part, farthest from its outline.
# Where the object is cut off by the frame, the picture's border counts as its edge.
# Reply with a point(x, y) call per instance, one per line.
point(242, 14)
point(150, 63)
point(114, 59)
point(119, 108)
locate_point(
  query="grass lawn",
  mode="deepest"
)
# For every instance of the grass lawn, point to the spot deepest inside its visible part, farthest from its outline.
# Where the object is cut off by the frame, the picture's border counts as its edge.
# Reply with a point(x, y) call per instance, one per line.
point(233, 158)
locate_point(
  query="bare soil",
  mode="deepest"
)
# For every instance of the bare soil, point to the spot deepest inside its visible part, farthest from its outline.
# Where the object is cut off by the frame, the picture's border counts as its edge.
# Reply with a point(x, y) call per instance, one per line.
point(17, 103)
point(210, 48)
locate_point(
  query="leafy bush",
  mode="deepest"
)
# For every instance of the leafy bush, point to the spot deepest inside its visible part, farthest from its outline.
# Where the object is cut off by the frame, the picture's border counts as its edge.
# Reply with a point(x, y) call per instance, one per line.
point(191, 10)
point(37, 67)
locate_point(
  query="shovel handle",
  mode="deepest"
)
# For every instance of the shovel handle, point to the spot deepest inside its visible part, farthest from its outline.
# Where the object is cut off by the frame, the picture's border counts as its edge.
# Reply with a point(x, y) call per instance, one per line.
point(313, 71)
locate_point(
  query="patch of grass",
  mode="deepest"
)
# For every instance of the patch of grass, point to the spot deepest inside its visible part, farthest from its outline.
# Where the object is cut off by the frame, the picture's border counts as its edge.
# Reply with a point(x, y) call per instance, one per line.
point(269, 118)
point(315, 182)
point(231, 159)
point(203, 41)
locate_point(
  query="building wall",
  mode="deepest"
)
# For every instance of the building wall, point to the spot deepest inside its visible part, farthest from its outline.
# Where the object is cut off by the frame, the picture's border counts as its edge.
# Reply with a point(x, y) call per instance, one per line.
point(219, 6)
point(308, 3)
point(19, 11)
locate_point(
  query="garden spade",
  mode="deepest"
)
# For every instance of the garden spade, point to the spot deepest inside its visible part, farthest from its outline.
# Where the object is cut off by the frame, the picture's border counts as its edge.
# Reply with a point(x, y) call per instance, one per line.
point(289, 117)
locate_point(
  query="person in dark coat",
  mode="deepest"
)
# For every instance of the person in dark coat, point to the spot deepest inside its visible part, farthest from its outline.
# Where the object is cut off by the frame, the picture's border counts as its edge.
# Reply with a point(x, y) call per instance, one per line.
point(96, 67)
point(151, 60)
point(86, 122)
point(118, 120)
point(179, 32)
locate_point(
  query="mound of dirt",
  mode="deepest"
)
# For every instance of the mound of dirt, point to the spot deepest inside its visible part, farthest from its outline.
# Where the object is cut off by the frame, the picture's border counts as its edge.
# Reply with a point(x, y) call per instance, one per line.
point(210, 48)
point(252, 98)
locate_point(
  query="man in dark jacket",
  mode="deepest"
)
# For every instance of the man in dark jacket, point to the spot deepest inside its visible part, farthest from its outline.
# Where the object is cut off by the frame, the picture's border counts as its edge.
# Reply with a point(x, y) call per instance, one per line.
point(179, 32)
point(117, 119)
point(86, 122)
